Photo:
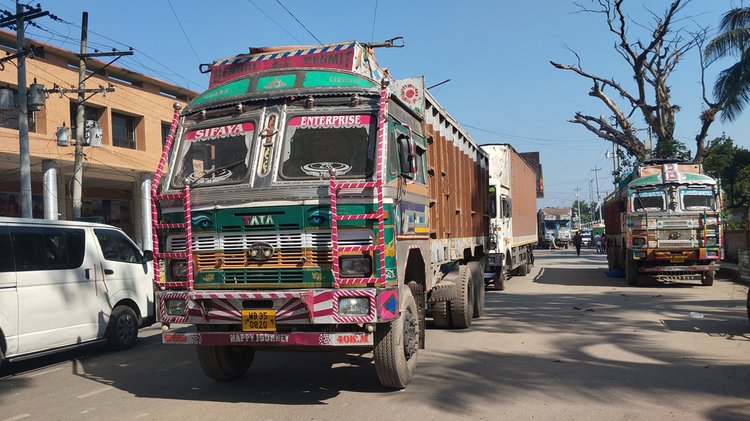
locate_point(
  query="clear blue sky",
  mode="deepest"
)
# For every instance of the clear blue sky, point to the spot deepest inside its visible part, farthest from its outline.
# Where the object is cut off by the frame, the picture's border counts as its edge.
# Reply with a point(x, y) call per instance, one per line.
point(496, 54)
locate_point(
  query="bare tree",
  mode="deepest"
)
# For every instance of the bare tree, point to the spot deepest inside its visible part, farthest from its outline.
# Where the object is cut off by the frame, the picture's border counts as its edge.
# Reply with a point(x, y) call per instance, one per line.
point(652, 62)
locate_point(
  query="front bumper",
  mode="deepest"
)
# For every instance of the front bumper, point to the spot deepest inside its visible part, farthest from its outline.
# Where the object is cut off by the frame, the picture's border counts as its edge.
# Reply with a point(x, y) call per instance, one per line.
point(272, 339)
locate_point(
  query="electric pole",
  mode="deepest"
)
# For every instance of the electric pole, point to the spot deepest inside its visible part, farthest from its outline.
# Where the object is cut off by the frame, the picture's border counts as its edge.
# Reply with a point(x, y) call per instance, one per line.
point(579, 206)
point(80, 118)
point(23, 113)
point(598, 196)
point(78, 165)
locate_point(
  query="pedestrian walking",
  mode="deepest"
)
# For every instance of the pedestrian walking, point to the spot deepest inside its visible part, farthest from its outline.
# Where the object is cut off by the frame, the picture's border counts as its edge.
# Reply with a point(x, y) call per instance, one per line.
point(578, 241)
point(598, 243)
point(603, 245)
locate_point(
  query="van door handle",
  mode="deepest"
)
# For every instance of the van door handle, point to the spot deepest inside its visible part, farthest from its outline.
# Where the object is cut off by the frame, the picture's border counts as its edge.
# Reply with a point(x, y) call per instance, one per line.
point(109, 272)
point(87, 273)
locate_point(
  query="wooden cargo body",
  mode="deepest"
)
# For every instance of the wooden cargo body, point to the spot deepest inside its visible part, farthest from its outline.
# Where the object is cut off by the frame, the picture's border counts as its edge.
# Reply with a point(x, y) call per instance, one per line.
point(458, 178)
point(523, 193)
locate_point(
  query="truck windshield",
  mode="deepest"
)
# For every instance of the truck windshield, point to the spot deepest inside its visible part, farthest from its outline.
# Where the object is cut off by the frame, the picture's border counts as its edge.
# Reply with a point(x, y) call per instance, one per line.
point(648, 201)
point(316, 144)
point(696, 199)
point(214, 155)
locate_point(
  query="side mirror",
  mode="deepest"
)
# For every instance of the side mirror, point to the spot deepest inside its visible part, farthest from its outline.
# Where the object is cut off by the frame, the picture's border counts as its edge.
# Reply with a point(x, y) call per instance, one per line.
point(148, 256)
point(406, 156)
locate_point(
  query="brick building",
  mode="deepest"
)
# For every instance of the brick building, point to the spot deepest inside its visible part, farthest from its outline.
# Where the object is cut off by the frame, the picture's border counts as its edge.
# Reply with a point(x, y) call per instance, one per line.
point(134, 120)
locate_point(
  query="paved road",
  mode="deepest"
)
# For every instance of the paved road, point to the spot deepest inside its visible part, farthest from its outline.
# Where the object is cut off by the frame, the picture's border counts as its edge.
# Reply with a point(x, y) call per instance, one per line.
point(564, 342)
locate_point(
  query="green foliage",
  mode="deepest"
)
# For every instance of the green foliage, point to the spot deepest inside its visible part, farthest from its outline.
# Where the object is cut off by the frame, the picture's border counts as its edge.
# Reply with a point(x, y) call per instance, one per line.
point(731, 165)
point(732, 86)
point(671, 149)
point(585, 210)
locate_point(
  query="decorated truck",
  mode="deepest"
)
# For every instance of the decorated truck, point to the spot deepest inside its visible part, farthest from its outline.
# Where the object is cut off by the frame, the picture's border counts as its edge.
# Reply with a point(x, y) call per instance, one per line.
point(307, 200)
point(513, 228)
point(554, 227)
point(664, 219)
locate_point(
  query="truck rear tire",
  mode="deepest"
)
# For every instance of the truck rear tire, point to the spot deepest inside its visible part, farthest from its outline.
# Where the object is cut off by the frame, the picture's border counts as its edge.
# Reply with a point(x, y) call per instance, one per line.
point(707, 278)
point(397, 345)
point(462, 306)
point(224, 362)
point(498, 282)
point(477, 277)
point(522, 270)
point(441, 315)
point(631, 271)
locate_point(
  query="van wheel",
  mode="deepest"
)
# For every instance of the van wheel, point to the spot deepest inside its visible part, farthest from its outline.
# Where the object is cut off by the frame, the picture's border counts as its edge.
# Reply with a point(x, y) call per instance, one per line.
point(224, 362)
point(123, 328)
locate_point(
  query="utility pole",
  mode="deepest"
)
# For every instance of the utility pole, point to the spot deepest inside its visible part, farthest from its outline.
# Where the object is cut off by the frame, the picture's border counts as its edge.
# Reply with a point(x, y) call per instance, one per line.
point(579, 206)
point(78, 165)
point(23, 118)
point(598, 196)
point(80, 119)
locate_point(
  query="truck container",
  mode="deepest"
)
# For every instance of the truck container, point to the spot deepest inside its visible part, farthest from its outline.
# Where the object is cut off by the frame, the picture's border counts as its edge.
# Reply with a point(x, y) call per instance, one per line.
point(554, 227)
point(314, 202)
point(664, 219)
point(513, 228)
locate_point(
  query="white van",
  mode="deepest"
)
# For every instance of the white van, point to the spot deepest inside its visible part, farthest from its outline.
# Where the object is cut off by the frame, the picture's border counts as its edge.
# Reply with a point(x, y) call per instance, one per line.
point(63, 284)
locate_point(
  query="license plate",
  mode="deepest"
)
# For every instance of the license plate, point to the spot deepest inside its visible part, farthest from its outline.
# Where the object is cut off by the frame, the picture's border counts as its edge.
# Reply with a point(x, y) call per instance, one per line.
point(259, 320)
point(676, 259)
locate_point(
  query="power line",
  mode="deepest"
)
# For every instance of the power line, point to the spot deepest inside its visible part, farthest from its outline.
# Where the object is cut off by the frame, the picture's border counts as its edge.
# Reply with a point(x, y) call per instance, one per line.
point(276, 23)
point(374, 17)
point(524, 137)
point(183, 31)
point(298, 21)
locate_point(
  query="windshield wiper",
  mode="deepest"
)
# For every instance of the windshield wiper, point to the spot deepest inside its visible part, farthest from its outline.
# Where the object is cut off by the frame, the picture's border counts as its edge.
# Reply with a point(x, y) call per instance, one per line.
point(214, 171)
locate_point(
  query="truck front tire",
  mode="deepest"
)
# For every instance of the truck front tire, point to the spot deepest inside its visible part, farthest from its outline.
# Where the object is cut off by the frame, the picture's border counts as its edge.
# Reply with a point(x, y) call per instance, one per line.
point(707, 278)
point(397, 345)
point(498, 282)
point(631, 271)
point(224, 362)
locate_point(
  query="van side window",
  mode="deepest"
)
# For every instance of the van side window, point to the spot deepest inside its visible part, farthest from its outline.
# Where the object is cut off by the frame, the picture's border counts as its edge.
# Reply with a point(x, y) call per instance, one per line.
point(117, 247)
point(49, 248)
point(6, 255)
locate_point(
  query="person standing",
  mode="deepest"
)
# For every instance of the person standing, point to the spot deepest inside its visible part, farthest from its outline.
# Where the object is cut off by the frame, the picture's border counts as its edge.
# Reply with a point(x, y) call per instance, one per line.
point(598, 243)
point(578, 241)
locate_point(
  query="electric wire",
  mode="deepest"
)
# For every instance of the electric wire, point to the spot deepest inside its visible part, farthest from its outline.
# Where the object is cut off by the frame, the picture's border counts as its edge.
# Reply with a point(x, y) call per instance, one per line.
point(274, 21)
point(298, 21)
point(183, 31)
point(374, 18)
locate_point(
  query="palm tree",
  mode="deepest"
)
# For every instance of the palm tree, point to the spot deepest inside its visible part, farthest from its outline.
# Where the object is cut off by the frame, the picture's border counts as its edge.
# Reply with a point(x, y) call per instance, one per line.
point(732, 86)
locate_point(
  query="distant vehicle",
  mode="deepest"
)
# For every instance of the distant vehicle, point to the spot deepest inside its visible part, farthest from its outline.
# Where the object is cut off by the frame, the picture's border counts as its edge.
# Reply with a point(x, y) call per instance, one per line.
point(513, 230)
point(554, 226)
point(586, 235)
point(665, 218)
point(64, 284)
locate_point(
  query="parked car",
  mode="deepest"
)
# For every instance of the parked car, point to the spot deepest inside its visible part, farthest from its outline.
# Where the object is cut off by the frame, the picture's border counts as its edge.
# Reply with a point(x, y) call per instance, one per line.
point(64, 284)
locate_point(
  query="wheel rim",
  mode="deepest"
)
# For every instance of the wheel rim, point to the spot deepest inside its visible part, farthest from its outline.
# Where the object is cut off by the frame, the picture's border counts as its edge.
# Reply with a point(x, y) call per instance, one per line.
point(411, 337)
point(125, 327)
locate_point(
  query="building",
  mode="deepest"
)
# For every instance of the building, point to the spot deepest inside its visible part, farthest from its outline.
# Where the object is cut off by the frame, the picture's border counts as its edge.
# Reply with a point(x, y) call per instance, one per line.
point(134, 119)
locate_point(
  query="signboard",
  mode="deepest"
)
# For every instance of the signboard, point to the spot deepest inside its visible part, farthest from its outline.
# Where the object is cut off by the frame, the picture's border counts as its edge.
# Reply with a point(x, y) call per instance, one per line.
point(341, 57)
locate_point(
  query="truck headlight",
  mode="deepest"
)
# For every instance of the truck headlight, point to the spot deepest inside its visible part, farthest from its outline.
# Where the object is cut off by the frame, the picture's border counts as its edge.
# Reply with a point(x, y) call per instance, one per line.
point(639, 241)
point(355, 266)
point(354, 306)
point(176, 306)
point(178, 269)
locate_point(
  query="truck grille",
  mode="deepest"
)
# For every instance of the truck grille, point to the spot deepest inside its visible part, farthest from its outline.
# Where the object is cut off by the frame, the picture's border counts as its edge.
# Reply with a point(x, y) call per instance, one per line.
point(228, 251)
